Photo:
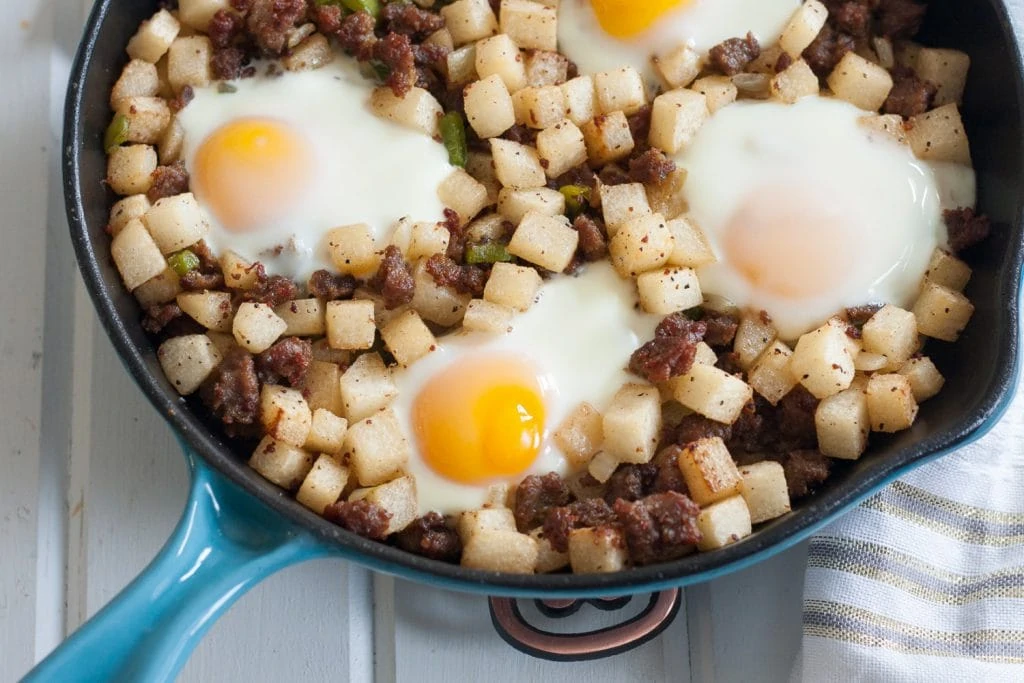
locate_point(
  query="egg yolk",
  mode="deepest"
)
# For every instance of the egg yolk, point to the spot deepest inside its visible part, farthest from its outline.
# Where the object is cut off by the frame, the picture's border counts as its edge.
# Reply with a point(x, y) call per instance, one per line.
point(790, 245)
point(249, 171)
point(481, 419)
point(630, 18)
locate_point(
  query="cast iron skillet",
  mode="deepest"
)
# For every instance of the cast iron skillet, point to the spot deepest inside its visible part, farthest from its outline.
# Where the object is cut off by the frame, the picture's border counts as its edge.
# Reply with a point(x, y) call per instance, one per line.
point(238, 528)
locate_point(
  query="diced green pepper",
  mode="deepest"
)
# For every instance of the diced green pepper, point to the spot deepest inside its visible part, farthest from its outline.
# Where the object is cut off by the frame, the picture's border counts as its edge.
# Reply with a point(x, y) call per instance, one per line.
point(117, 133)
point(226, 88)
point(453, 133)
point(488, 252)
point(183, 262)
point(370, 6)
point(576, 197)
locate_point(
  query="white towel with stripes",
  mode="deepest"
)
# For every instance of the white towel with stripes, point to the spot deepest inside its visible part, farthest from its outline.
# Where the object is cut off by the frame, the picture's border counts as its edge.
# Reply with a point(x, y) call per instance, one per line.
point(925, 580)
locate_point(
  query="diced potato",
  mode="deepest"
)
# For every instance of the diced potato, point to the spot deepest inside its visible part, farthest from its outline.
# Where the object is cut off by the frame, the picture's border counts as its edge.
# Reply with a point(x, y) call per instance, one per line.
point(212, 310)
point(632, 423)
point(469, 20)
point(127, 209)
point(677, 68)
point(159, 289)
point(945, 68)
point(350, 324)
point(281, 463)
point(427, 239)
point(322, 388)
point(513, 286)
point(676, 117)
point(822, 361)
point(437, 303)
point(171, 143)
point(866, 361)
point(667, 290)
point(581, 434)
point(939, 135)
point(326, 432)
point(641, 244)
point(764, 64)
point(136, 255)
point(397, 497)
point(597, 550)
point(608, 138)
point(514, 204)
point(891, 403)
point(463, 194)
point(461, 65)
point(764, 489)
point(187, 361)
point(238, 273)
point(488, 106)
point(925, 379)
point(312, 53)
point(941, 312)
point(770, 375)
point(188, 62)
point(130, 168)
point(718, 91)
point(501, 551)
point(842, 424)
point(323, 485)
point(284, 414)
point(548, 559)
point(493, 227)
point(712, 392)
point(666, 196)
point(256, 327)
point(517, 165)
point(176, 222)
point(540, 107)
point(602, 466)
point(408, 338)
point(890, 125)
point(946, 270)
point(622, 203)
point(499, 55)
point(417, 109)
point(352, 250)
point(486, 316)
point(304, 317)
point(366, 387)
point(803, 27)
point(154, 37)
point(532, 25)
point(147, 118)
point(547, 241)
point(484, 521)
point(690, 245)
point(377, 448)
point(793, 83)
point(891, 332)
point(705, 355)
point(197, 13)
point(620, 90)
point(754, 334)
point(544, 67)
point(724, 523)
point(499, 495)
point(580, 99)
point(860, 82)
point(709, 471)
point(323, 352)
point(480, 165)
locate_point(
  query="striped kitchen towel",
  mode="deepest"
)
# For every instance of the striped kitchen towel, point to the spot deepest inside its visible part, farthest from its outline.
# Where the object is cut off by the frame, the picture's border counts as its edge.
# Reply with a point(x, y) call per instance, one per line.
point(925, 580)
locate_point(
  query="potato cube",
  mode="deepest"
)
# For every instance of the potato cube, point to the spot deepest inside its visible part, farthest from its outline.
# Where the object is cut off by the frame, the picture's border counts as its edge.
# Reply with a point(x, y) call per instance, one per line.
point(469, 20)
point(499, 495)
point(154, 37)
point(427, 239)
point(540, 107)
point(484, 521)
point(463, 194)
point(501, 551)
point(754, 334)
point(580, 99)
point(546, 241)
point(461, 65)
point(597, 550)
point(480, 166)
point(171, 143)
point(312, 53)
point(666, 196)
point(676, 117)
point(437, 303)
point(690, 245)
point(147, 118)
point(512, 286)
point(641, 244)
point(945, 68)
point(580, 435)
point(486, 316)
point(941, 312)
point(608, 138)
point(667, 290)
point(891, 332)
point(366, 387)
point(417, 109)
point(350, 324)
point(888, 125)
point(326, 432)
point(602, 466)
point(622, 203)
point(197, 13)
point(322, 388)
point(866, 361)
point(891, 403)
point(323, 352)
point(860, 82)
point(939, 135)
point(946, 270)
point(136, 255)
point(517, 165)
point(709, 471)
point(532, 25)
point(256, 327)
point(188, 62)
point(158, 289)
point(677, 68)
point(718, 91)
point(500, 55)
point(544, 67)
point(284, 414)
point(130, 168)
point(488, 106)
point(397, 497)
point(632, 423)
point(822, 361)
point(620, 90)
point(514, 204)
point(281, 463)
point(408, 338)
point(842, 424)
point(763, 487)
point(770, 375)
point(238, 273)
point(212, 310)
point(125, 210)
point(304, 317)
point(377, 448)
point(712, 392)
point(187, 361)
point(925, 379)
point(548, 559)
point(794, 82)
point(323, 485)
point(803, 27)
point(352, 250)
point(176, 222)
point(724, 523)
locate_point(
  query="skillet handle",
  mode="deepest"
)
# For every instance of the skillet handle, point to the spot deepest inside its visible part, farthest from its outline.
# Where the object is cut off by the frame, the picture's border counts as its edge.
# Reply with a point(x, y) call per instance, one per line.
point(225, 543)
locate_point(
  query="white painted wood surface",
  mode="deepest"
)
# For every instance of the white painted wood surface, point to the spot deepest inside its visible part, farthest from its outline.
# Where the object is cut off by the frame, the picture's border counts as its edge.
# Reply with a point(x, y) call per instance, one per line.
point(92, 482)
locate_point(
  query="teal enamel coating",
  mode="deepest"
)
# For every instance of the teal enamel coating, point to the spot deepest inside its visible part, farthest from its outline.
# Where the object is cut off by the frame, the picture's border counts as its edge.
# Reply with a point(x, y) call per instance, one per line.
point(226, 543)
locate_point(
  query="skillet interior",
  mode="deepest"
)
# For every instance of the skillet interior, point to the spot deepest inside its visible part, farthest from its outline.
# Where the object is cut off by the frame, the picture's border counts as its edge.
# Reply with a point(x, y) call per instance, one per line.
point(979, 369)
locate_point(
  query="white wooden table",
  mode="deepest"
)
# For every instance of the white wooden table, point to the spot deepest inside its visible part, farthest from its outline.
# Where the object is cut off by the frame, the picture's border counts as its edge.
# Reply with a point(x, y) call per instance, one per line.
point(92, 482)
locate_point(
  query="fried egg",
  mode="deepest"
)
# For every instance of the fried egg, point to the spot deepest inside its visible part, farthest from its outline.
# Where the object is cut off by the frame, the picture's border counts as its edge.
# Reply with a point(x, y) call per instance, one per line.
point(809, 211)
point(601, 35)
point(278, 160)
point(480, 409)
